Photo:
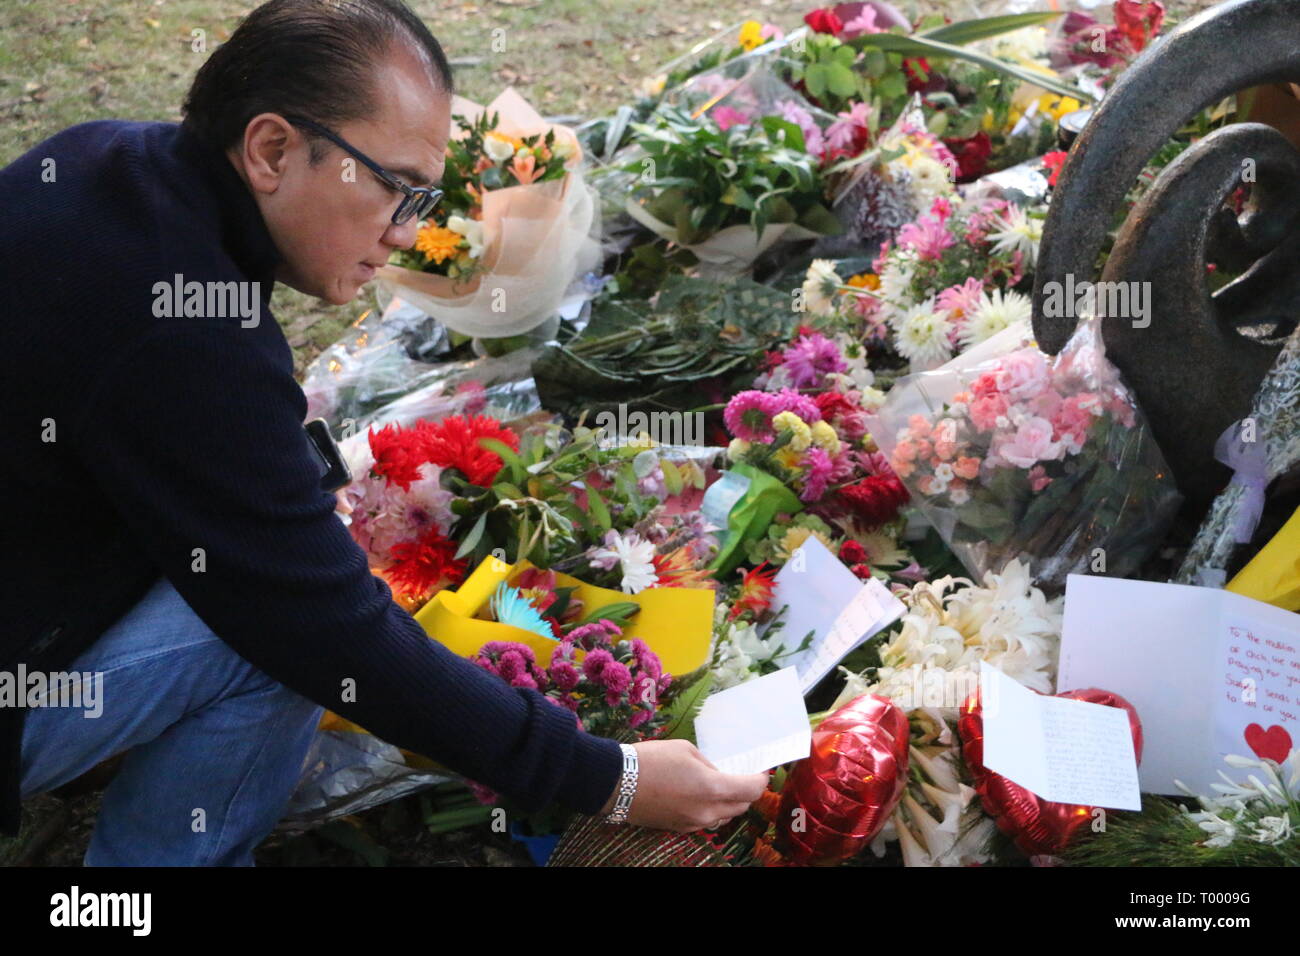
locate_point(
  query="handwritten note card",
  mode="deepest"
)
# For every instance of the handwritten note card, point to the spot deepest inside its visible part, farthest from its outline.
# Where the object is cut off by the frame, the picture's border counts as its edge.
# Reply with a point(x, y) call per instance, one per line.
point(824, 597)
point(756, 725)
point(1066, 751)
point(1210, 672)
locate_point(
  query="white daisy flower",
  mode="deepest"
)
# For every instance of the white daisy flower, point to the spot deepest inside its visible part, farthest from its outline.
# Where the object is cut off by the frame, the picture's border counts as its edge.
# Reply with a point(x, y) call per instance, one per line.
point(994, 313)
point(921, 334)
point(1019, 232)
point(820, 286)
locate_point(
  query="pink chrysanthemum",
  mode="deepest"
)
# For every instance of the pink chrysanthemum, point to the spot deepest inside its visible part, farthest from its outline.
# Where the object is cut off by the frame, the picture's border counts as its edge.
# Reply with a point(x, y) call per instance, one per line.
point(789, 400)
point(819, 473)
point(962, 300)
point(748, 416)
point(811, 358)
point(927, 236)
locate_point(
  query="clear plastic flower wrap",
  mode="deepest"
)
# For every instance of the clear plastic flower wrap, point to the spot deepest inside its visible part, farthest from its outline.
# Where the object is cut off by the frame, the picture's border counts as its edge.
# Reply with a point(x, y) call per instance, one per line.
point(1011, 453)
point(369, 377)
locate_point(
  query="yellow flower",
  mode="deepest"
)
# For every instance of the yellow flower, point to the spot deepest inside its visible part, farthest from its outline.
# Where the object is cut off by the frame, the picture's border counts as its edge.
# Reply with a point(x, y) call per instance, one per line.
point(751, 34)
point(437, 243)
point(789, 457)
point(824, 437)
point(737, 449)
point(1057, 106)
point(801, 436)
point(794, 539)
point(864, 280)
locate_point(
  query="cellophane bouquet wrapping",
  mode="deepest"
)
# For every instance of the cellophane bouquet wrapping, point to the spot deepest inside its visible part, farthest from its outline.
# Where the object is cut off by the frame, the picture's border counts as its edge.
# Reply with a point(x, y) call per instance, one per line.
point(1011, 453)
point(378, 374)
point(516, 227)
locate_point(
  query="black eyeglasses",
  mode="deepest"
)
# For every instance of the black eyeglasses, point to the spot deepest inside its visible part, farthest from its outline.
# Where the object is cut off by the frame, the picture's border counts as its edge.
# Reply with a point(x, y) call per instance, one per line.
point(417, 201)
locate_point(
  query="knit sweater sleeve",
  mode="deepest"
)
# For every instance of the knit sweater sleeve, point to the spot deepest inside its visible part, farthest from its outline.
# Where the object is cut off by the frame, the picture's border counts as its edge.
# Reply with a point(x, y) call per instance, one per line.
point(196, 438)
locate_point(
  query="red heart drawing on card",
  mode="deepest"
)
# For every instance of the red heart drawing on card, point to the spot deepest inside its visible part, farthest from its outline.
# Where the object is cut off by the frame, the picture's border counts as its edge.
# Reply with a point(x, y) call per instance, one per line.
point(1271, 744)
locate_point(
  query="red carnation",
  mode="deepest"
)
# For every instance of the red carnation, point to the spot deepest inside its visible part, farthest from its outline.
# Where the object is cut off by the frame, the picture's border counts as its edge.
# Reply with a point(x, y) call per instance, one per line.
point(874, 500)
point(824, 21)
point(851, 552)
point(833, 404)
point(454, 443)
point(421, 564)
point(861, 571)
point(972, 154)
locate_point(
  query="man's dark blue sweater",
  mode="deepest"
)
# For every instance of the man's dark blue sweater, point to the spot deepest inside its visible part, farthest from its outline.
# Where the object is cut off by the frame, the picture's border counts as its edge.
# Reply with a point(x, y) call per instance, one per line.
point(132, 439)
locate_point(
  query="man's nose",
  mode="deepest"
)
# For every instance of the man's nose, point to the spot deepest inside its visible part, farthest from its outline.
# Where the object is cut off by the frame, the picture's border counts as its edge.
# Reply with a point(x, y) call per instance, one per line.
point(403, 236)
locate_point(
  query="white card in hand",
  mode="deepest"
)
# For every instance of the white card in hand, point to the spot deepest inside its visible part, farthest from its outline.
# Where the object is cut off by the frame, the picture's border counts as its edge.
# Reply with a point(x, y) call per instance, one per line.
point(821, 595)
point(756, 725)
point(1062, 750)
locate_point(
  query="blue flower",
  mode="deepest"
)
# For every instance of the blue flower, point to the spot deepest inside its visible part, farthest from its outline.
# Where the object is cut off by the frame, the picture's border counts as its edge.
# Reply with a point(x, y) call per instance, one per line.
point(508, 606)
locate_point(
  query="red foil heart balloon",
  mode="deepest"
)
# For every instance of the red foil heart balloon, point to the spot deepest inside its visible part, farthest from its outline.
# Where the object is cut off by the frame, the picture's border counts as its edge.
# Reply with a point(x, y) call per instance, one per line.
point(1039, 827)
point(848, 785)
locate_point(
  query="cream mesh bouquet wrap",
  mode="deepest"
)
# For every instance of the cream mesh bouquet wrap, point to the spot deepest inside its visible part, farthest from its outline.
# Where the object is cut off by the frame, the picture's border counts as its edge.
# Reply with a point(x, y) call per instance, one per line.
point(536, 239)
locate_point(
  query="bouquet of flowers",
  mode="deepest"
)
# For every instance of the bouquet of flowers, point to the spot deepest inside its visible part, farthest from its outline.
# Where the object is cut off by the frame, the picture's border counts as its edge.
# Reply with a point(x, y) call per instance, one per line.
point(611, 683)
point(513, 229)
point(727, 189)
point(948, 281)
point(1013, 453)
point(399, 504)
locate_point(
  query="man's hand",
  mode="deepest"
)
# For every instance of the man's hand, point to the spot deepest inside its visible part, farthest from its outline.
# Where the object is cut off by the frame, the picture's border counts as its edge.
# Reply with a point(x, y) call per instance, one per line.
point(678, 789)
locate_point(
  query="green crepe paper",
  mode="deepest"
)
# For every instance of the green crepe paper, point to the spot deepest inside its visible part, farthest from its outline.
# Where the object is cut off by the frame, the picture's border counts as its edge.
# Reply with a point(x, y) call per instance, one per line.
point(750, 516)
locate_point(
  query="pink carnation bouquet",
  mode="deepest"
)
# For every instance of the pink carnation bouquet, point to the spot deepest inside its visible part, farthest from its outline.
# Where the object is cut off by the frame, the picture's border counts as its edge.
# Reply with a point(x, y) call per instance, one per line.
point(1034, 456)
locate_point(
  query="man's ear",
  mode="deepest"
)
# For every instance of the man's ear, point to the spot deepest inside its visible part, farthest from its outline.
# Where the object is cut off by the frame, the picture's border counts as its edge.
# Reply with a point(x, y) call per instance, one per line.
point(268, 142)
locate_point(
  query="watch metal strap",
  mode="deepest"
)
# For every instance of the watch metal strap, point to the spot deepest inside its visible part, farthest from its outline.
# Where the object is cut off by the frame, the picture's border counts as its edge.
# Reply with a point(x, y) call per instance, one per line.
point(626, 786)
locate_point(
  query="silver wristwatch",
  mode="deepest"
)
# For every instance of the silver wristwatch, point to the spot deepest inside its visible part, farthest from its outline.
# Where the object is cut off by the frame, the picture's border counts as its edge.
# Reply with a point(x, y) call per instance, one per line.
point(626, 786)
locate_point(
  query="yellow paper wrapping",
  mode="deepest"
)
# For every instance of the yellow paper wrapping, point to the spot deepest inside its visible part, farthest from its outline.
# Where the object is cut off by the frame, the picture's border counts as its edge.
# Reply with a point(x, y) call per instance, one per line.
point(676, 623)
point(1273, 575)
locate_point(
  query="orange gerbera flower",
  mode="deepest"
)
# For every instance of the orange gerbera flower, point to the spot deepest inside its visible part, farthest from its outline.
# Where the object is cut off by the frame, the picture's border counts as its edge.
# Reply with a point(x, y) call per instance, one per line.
point(437, 243)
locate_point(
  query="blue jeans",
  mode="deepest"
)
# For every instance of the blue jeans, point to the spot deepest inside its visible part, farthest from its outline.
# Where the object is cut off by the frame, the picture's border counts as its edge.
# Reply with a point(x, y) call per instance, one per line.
point(216, 747)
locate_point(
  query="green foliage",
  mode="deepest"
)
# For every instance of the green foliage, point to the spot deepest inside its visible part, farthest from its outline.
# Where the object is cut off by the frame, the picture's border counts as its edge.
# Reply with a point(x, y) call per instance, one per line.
point(1161, 835)
point(702, 179)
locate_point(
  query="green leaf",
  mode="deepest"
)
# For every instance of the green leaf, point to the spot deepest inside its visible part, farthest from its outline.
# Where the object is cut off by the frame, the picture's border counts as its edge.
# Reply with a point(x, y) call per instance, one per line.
point(620, 612)
point(685, 708)
point(599, 510)
point(472, 538)
point(672, 477)
point(815, 79)
point(968, 31)
point(841, 80)
point(783, 131)
point(919, 46)
point(517, 471)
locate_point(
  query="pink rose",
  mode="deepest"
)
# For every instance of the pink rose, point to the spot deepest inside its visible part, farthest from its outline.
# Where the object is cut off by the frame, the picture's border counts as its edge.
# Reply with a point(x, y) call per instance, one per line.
point(1031, 443)
point(1022, 375)
point(986, 410)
